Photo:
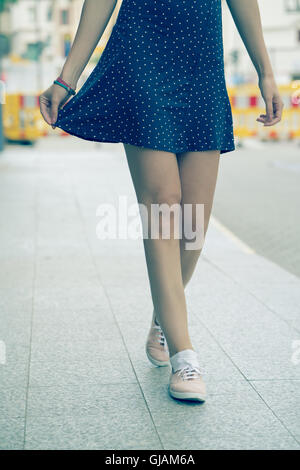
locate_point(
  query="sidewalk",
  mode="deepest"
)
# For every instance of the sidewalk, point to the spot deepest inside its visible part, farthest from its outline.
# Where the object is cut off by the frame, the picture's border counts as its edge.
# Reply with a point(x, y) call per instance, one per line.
point(75, 311)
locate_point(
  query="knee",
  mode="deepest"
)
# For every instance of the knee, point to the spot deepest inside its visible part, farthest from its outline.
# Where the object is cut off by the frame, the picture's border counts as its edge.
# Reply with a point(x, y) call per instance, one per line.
point(162, 210)
point(160, 196)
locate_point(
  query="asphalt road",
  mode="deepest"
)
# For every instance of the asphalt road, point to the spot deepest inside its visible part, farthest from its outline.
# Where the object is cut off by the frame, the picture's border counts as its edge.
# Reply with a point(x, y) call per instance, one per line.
point(258, 198)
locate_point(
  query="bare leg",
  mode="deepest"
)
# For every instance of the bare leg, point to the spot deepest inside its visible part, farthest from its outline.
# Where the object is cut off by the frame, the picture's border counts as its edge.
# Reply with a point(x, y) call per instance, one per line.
point(198, 175)
point(156, 179)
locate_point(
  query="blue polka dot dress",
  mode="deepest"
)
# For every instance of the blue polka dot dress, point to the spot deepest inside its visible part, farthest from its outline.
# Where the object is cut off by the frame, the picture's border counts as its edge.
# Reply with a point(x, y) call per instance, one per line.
point(159, 82)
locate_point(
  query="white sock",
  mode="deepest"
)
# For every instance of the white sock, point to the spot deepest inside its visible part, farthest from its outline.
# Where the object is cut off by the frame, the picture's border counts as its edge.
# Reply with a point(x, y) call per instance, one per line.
point(183, 359)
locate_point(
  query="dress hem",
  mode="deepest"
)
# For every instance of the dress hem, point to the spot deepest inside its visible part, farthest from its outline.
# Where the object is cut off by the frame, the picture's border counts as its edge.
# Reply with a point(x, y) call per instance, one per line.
point(148, 146)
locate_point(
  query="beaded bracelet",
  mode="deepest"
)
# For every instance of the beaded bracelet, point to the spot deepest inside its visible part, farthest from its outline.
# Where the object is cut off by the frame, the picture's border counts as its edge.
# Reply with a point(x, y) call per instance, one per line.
point(62, 83)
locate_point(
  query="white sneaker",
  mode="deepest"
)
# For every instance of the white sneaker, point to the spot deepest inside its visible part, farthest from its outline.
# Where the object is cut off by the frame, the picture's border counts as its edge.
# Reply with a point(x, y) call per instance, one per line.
point(186, 382)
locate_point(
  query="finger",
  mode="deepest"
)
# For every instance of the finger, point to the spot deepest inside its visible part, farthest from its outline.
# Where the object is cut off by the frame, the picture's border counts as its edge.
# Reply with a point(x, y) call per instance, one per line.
point(278, 114)
point(54, 112)
point(269, 109)
point(265, 120)
point(278, 109)
point(262, 118)
point(45, 112)
point(278, 119)
point(271, 123)
point(274, 121)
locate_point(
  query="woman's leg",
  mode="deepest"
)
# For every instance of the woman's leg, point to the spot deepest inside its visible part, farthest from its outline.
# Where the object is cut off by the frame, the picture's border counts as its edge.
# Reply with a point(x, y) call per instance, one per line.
point(198, 175)
point(156, 179)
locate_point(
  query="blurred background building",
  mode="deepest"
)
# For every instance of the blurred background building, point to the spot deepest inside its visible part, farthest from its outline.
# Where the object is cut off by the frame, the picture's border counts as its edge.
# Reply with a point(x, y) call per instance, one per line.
point(41, 32)
point(281, 25)
point(40, 35)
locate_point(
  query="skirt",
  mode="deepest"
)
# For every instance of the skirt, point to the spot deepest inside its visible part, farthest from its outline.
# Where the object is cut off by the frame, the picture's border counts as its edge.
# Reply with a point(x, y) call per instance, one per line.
point(159, 82)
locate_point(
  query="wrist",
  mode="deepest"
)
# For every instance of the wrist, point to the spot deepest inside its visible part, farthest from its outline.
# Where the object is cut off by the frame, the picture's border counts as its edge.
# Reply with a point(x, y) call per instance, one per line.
point(265, 72)
point(70, 77)
point(262, 75)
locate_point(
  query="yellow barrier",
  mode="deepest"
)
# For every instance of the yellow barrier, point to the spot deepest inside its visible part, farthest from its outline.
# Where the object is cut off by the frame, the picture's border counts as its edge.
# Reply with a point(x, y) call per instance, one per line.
point(22, 120)
point(247, 104)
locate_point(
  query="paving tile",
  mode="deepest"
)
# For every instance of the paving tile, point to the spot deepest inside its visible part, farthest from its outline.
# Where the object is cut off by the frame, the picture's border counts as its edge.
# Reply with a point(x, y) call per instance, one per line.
point(283, 397)
point(284, 299)
point(74, 297)
point(15, 325)
point(115, 244)
point(11, 433)
point(71, 347)
point(70, 360)
point(55, 195)
point(84, 400)
point(131, 304)
point(134, 303)
point(219, 249)
point(104, 417)
point(257, 340)
point(16, 271)
point(128, 273)
point(255, 270)
point(65, 271)
point(12, 401)
point(64, 225)
point(238, 418)
point(17, 188)
point(63, 246)
point(54, 190)
point(14, 299)
point(210, 287)
point(19, 234)
point(208, 273)
point(14, 373)
point(88, 323)
point(256, 442)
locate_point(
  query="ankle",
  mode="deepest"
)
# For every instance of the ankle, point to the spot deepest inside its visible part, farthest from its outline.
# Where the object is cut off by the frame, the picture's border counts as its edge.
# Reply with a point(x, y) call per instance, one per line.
point(174, 351)
point(154, 319)
point(183, 358)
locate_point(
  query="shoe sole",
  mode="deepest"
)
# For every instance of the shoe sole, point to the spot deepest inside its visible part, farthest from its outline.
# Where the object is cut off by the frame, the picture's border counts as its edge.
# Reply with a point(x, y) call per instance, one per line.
point(156, 362)
point(191, 396)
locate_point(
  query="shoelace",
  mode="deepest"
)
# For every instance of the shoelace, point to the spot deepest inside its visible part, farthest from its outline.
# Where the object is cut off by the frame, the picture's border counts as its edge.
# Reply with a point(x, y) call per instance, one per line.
point(161, 337)
point(190, 372)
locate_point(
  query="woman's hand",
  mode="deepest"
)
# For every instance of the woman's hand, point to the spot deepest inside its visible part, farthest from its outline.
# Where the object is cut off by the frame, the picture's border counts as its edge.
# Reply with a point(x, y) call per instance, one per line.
point(272, 99)
point(51, 100)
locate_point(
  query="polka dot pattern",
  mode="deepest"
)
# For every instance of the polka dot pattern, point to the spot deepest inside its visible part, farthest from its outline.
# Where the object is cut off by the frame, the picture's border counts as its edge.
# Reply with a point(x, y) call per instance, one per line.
point(160, 81)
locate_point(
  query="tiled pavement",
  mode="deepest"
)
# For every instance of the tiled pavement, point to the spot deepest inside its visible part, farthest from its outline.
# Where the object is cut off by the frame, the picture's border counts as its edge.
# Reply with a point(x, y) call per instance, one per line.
point(75, 311)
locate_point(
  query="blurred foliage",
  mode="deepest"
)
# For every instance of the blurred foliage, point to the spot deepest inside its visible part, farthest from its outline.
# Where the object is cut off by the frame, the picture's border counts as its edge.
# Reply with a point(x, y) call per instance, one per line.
point(4, 3)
